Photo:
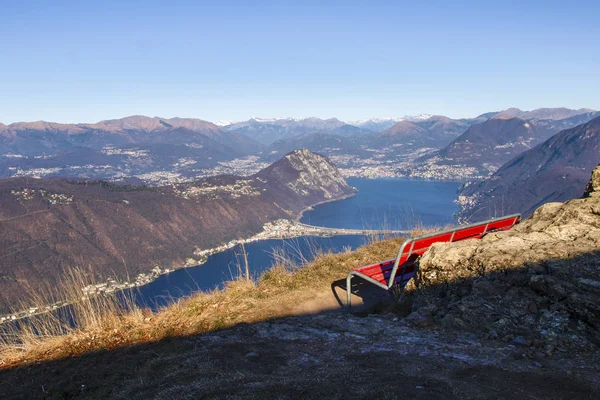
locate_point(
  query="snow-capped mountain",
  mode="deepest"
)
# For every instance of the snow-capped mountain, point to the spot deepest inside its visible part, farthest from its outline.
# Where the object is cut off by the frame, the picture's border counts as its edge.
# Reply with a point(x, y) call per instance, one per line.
point(224, 122)
point(418, 117)
point(376, 124)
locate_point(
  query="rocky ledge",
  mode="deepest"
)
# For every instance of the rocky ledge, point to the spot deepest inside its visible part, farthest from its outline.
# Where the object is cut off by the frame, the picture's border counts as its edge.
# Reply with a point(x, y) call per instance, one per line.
point(537, 285)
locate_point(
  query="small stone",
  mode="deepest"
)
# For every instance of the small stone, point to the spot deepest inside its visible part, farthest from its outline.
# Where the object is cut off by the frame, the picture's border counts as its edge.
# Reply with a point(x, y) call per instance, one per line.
point(493, 334)
point(420, 320)
point(252, 354)
point(448, 322)
point(519, 341)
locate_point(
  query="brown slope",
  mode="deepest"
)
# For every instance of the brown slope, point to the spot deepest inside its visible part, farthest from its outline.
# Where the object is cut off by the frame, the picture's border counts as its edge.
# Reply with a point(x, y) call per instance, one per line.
point(48, 227)
point(556, 170)
point(403, 128)
point(488, 145)
point(436, 131)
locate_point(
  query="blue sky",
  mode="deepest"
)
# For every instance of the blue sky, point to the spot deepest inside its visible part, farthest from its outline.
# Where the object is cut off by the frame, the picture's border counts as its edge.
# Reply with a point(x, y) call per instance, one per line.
point(80, 61)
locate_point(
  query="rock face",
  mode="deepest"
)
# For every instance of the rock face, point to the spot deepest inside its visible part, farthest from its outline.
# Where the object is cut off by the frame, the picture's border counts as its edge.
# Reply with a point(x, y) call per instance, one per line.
point(537, 284)
point(307, 173)
point(593, 187)
point(49, 226)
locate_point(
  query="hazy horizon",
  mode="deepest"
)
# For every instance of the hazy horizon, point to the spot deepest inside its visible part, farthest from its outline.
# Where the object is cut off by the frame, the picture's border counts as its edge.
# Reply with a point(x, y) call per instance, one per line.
point(271, 117)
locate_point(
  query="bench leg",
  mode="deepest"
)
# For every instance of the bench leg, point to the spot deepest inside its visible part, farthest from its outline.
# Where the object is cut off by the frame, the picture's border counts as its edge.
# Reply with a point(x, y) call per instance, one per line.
point(348, 292)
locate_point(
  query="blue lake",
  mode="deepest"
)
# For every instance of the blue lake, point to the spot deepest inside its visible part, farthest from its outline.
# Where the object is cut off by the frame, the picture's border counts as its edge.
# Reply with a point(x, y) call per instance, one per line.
point(397, 204)
point(222, 267)
point(379, 204)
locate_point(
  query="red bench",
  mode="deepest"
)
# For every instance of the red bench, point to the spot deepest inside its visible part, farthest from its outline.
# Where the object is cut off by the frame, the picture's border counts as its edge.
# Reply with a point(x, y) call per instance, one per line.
point(398, 271)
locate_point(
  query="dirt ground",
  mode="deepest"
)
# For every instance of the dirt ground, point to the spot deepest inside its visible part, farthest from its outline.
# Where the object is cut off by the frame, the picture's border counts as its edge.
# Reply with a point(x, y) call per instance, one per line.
point(329, 355)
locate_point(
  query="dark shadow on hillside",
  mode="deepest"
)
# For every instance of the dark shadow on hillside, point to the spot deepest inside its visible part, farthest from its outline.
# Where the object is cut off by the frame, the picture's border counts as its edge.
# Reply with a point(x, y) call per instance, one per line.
point(366, 297)
point(309, 356)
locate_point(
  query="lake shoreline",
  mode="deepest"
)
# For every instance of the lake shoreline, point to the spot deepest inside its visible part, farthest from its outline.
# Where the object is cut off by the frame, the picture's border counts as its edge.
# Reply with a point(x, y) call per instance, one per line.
point(310, 208)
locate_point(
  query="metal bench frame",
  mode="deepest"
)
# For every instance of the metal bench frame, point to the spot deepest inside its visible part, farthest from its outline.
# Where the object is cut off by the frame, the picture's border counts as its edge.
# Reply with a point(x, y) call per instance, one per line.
point(403, 259)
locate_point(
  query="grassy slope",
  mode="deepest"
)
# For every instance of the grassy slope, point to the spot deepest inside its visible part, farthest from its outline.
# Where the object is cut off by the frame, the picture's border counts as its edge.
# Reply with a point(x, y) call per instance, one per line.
point(277, 293)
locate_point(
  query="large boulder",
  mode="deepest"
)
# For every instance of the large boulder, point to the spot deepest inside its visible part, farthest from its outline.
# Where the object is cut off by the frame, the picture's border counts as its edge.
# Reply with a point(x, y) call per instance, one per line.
point(538, 283)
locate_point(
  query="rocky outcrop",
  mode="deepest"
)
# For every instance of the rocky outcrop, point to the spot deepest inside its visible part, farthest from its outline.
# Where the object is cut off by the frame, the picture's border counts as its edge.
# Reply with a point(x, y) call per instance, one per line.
point(593, 187)
point(537, 285)
point(306, 173)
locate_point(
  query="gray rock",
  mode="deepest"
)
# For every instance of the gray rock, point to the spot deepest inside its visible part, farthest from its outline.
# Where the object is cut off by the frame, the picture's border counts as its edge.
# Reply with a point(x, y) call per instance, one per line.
point(593, 187)
point(531, 282)
point(519, 341)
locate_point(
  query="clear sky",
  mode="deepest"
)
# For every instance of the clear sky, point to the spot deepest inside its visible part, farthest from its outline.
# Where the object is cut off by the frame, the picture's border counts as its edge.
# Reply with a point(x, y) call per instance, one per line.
point(84, 61)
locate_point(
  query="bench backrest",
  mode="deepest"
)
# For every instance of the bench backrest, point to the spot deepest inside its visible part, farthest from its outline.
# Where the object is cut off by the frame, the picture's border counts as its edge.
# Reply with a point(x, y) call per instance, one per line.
point(415, 247)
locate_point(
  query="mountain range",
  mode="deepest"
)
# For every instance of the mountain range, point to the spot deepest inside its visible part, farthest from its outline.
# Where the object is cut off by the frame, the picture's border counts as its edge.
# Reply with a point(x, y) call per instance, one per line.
point(267, 131)
point(170, 150)
point(33, 138)
point(554, 171)
point(486, 146)
point(554, 114)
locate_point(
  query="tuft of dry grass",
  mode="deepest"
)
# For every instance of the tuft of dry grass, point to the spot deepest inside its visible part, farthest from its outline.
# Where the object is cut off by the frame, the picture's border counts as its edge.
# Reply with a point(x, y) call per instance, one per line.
point(103, 323)
point(31, 337)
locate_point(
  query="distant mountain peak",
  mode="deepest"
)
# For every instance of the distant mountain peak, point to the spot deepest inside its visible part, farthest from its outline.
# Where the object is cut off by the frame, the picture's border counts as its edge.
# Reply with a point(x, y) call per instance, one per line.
point(417, 117)
point(403, 127)
point(304, 172)
point(224, 122)
point(557, 113)
point(141, 122)
point(505, 117)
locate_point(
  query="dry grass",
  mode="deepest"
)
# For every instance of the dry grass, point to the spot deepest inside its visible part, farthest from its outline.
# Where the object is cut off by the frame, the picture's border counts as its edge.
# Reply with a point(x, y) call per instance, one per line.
point(110, 321)
point(29, 338)
point(102, 322)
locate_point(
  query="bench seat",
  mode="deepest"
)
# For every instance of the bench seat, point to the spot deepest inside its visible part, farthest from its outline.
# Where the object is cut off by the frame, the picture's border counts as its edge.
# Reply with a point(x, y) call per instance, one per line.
point(398, 271)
